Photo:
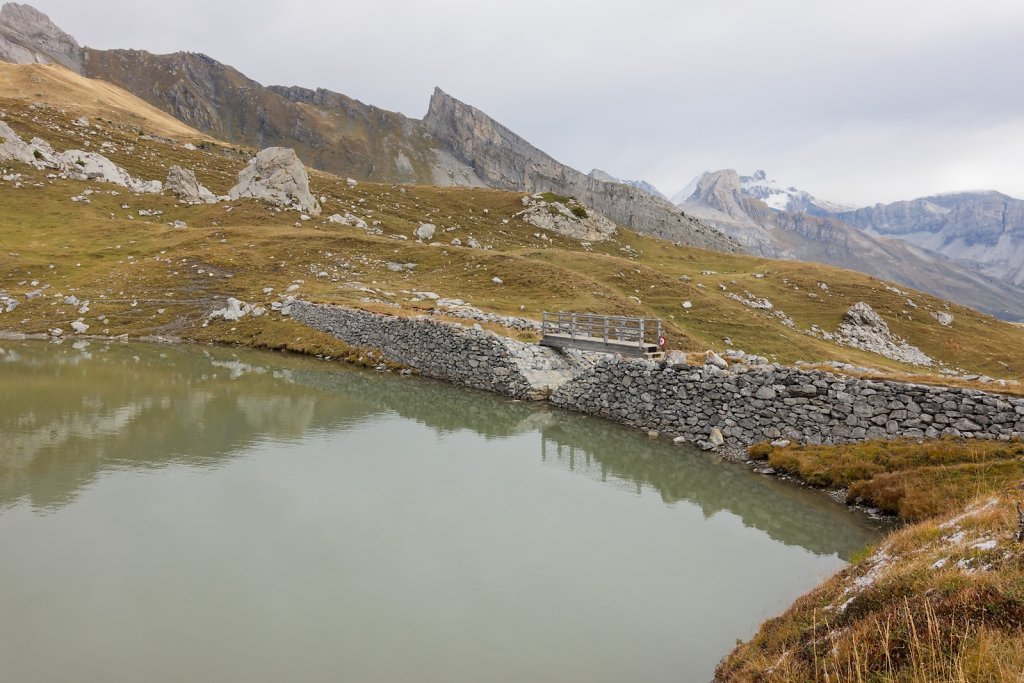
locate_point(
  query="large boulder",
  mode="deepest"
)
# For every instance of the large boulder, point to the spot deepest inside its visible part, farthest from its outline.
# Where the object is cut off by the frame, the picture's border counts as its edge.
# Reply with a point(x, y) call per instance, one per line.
point(277, 176)
point(79, 165)
point(12, 147)
point(183, 182)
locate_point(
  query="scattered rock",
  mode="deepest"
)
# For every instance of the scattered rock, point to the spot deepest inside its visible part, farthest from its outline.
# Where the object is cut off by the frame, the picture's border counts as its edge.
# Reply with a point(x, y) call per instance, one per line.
point(945, 319)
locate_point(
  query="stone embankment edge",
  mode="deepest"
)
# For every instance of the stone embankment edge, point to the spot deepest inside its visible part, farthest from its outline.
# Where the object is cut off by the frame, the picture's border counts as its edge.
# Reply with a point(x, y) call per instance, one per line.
point(745, 404)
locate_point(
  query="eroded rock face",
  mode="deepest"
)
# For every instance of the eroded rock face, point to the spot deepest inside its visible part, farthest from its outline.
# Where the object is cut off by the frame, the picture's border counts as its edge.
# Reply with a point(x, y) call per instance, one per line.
point(183, 182)
point(569, 218)
point(277, 176)
point(27, 36)
point(862, 328)
point(503, 160)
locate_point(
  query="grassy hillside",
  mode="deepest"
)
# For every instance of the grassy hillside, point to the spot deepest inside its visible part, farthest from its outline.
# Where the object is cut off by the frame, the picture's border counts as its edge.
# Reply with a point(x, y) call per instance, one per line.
point(115, 258)
point(940, 601)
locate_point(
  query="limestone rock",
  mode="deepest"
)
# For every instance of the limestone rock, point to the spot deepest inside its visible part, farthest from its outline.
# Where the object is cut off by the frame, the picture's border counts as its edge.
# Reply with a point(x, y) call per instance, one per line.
point(79, 165)
point(183, 182)
point(426, 232)
point(568, 217)
point(12, 147)
point(945, 319)
point(27, 36)
point(277, 176)
point(862, 328)
point(712, 358)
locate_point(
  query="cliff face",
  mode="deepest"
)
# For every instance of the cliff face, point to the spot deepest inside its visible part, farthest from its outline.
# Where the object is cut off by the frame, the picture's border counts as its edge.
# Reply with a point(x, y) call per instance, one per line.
point(328, 130)
point(503, 160)
point(981, 229)
point(27, 36)
point(720, 199)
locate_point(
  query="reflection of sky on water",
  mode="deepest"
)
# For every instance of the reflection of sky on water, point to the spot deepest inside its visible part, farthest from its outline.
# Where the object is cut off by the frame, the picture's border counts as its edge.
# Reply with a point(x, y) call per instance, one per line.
point(69, 413)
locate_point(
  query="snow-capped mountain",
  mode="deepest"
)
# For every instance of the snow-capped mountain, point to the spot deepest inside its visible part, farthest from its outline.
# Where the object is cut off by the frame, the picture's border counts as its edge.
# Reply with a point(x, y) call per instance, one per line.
point(773, 194)
point(738, 206)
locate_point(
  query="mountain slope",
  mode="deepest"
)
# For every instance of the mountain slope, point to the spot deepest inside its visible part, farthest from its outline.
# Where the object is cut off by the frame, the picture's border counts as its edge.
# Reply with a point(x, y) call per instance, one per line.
point(340, 135)
point(27, 36)
point(983, 230)
point(142, 273)
point(721, 199)
point(504, 160)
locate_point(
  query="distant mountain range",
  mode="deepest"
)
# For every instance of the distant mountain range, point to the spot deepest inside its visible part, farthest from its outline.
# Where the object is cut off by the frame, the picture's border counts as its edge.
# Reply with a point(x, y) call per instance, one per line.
point(967, 248)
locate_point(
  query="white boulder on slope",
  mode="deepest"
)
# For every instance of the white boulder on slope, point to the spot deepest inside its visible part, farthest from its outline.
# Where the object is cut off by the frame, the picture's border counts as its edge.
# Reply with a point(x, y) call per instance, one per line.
point(74, 164)
point(12, 147)
point(183, 182)
point(79, 165)
point(277, 176)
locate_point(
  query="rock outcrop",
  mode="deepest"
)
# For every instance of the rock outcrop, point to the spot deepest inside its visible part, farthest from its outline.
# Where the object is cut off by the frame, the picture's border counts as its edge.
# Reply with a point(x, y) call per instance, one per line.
point(183, 183)
point(506, 161)
point(566, 217)
point(12, 147)
point(79, 165)
point(27, 36)
point(862, 328)
point(74, 164)
point(277, 176)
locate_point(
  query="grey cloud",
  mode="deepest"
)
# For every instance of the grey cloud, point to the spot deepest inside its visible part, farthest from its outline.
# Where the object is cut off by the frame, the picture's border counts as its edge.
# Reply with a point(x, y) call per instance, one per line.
point(861, 102)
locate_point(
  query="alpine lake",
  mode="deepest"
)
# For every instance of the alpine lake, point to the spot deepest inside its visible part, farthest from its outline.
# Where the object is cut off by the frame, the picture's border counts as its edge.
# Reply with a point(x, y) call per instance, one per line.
point(186, 513)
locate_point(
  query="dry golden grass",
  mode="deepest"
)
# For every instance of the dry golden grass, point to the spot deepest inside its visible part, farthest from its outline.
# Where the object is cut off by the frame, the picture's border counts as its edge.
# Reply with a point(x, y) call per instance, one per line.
point(58, 87)
point(941, 601)
point(249, 246)
point(912, 479)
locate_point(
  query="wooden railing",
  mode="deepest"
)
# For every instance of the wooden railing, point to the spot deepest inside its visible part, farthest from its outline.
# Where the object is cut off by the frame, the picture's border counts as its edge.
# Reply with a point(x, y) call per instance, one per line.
point(608, 328)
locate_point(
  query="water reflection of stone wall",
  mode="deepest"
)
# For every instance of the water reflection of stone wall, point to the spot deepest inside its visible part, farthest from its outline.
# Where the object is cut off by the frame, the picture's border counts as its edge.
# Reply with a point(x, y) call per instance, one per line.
point(79, 412)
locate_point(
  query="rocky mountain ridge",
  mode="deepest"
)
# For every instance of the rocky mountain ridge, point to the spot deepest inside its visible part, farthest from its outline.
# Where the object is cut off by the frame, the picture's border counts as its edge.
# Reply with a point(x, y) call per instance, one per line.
point(341, 135)
point(721, 198)
point(27, 36)
point(503, 160)
point(981, 230)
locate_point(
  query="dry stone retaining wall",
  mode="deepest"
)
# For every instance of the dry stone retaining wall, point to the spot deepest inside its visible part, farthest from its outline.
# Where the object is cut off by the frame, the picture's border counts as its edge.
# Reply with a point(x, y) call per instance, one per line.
point(747, 404)
point(451, 352)
point(752, 404)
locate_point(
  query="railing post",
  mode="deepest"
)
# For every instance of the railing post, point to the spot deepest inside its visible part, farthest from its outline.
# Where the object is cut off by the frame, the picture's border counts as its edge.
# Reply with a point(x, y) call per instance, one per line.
point(641, 344)
point(606, 330)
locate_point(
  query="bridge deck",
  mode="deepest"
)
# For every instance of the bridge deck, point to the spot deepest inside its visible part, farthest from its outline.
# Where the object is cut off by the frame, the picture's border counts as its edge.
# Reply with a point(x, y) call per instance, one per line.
point(629, 349)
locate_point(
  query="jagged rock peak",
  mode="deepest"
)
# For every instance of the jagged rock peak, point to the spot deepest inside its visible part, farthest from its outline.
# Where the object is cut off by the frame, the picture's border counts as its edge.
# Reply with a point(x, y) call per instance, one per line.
point(27, 36)
point(504, 160)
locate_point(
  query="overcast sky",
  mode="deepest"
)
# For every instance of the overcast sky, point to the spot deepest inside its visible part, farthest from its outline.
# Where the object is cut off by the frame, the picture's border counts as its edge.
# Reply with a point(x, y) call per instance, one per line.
point(853, 101)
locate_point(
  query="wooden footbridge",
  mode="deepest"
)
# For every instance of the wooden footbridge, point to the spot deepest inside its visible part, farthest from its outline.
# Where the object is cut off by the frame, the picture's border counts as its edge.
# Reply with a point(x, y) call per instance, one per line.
point(635, 337)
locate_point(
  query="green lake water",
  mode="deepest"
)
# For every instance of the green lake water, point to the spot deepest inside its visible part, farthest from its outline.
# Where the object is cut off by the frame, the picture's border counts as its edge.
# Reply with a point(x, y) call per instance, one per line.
point(199, 514)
